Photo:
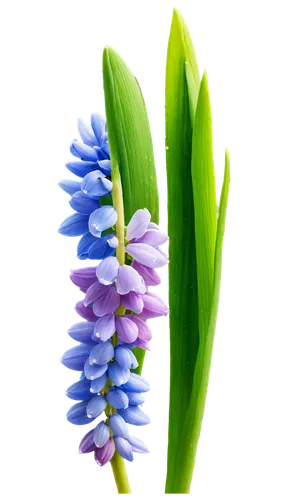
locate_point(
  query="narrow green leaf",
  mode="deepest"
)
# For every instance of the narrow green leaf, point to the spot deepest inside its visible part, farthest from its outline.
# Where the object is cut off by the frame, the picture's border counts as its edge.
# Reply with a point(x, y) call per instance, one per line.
point(205, 205)
point(183, 299)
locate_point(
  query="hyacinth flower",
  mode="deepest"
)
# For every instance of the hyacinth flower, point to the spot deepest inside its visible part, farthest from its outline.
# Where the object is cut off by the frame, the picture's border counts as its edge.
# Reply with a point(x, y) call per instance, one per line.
point(116, 293)
point(115, 204)
point(196, 215)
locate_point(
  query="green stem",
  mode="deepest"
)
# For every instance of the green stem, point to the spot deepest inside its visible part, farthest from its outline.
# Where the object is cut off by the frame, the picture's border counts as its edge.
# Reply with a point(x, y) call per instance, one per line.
point(117, 462)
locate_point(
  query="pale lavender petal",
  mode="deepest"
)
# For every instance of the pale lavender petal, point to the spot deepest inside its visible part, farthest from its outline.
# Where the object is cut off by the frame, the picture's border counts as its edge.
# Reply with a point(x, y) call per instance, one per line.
point(152, 225)
point(107, 270)
point(142, 344)
point(104, 327)
point(103, 455)
point(92, 294)
point(128, 280)
point(150, 276)
point(107, 302)
point(87, 445)
point(154, 306)
point(84, 277)
point(153, 237)
point(144, 332)
point(146, 255)
point(138, 224)
point(85, 312)
point(133, 302)
point(137, 445)
point(126, 329)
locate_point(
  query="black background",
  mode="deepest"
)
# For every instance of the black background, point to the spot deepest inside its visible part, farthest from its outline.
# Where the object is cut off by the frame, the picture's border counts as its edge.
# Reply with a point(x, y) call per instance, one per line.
point(71, 80)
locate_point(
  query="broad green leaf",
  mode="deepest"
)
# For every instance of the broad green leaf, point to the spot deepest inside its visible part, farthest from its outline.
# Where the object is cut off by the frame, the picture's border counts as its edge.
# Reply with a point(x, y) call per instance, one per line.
point(130, 141)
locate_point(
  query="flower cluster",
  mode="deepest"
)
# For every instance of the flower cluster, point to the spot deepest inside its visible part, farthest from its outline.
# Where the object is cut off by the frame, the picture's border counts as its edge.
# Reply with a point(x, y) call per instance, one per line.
point(116, 305)
point(90, 197)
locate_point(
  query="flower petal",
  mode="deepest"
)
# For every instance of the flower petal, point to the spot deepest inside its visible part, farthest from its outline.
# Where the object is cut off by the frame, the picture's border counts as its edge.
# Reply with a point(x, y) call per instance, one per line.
point(146, 255)
point(77, 414)
point(98, 125)
point(85, 312)
point(144, 332)
point(103, 455)
point(104, 327)
point(96, 406)
point(101, 353)
point(101, 219)
point(137, 445)
point(129, 280)
point(86, 133)
point(75, 358)
point(93, 372)
point(135, 398)
point(69, 186)
point(126, 329)
point(87, 445)
point(118, 426)
point(82, 332)
point(81, 168)
point(153, 237)
point(79, 390)
point(134, 415)
point(83, 278)
point(117, 398)
point(82, 203)
point(136, 383)
point(123, 357)
point(150, 276)
point(99, 383)
point(101, 435)
point(133, 301)
point(105, 166)
point(107, 270)
point(82, 151)
point(123, 447)
point(74, 225)
point(107, 301)
point(117, 374)
point(100, 248)
point(138, 224)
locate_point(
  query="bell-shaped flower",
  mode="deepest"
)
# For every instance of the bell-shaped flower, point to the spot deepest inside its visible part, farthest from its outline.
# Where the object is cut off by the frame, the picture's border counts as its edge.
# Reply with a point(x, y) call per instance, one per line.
point(103, 455)
point(74, 225)
point(95, 406)
point(134, 415)
point(75, 358)
point(137, 445)
point(124, 448)
point(96, 184)
point(87, 444)
point(77, 414)
point(79, 390)
point(117, 398)
point(101, 219)
point(118, 426)
point(83, 203)
point(136, 383)
point(70, 186)
point(101, 435)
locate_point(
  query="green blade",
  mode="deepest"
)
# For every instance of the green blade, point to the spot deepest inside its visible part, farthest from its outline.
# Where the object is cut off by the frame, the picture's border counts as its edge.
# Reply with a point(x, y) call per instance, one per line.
point(205, 205)
point(184, 332)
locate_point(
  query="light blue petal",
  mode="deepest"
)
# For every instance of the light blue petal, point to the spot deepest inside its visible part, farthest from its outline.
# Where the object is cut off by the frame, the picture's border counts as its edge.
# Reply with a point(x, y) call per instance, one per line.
point(101, 219)
point(123, 357)
point(86, 133)
point(101, 353)
point(79, 391)
point(101, 435)
point(74, 225)
point(117, 374)
point(137, 445)
point(107, 270)
point(136, 383)
point(98, 384)
point(94, 371)
point(134, 416)
point(105, 166)
point(69, 186)
point(118, 426)
point(117, 398)
point(98, 125)
point(77, 414)
point(81, 168)
point(124, 448)
point(84, 204)
point(83, 151)
point(95, 406)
